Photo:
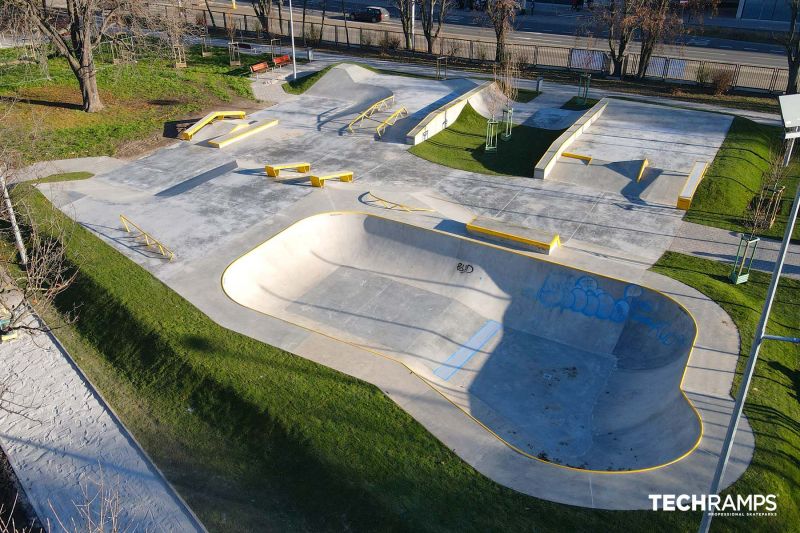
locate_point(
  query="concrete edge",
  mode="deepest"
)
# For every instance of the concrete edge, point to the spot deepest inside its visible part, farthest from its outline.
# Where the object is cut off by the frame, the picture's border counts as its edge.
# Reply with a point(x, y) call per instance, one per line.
point(438, 119)
point(550, 157)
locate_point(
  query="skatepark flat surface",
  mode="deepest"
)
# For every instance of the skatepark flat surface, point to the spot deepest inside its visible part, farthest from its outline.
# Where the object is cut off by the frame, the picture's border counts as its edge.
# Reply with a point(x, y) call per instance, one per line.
point(564, 365)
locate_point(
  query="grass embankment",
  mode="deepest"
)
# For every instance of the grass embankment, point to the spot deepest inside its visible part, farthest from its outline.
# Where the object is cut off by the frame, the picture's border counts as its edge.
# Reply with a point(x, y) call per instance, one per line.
point(576, 103)
point(46, 120)
point(65, 176)
point(258, 439)
point(773, 406)
point(462, 146)
point(301, 85)
point(734, 179)
point(526, 95)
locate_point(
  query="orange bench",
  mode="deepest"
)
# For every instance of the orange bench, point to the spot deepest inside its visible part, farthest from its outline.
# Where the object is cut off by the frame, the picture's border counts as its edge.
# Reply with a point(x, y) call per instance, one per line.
point(259, 67)
point(281, 60)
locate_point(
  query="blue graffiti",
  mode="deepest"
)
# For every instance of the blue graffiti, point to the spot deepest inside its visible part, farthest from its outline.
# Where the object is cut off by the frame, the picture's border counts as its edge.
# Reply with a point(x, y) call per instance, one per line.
point(584, 295)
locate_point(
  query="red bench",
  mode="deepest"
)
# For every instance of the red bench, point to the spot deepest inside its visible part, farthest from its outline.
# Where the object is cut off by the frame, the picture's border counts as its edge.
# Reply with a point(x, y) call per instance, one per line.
point(281, 60)
point(259, 68)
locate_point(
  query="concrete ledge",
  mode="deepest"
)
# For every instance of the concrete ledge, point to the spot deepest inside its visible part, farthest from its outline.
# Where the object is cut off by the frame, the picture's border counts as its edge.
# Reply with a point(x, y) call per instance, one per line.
point(517, 236)
point(439, 119)
point(560, 145)
point(692, 181)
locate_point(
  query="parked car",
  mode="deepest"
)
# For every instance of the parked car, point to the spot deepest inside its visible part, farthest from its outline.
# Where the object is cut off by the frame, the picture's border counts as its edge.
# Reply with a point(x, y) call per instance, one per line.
point(370, 14)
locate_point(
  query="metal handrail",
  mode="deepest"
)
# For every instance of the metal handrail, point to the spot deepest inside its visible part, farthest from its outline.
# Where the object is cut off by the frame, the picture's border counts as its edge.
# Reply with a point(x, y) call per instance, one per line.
point(388, 204)
point(390, 120)
point(149, 240)
point(380, 105)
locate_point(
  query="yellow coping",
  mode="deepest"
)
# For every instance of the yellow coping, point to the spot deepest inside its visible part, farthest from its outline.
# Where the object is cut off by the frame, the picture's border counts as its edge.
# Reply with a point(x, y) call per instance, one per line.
point(233, 137)
point(274, 170)
point(371, 110)
point(555, 242)
point(390, 120)
point(189, 132)
point(645, 164)
point(319, 181)
point(586, 158)
point(690, 186)
point(388, 204)
point(149, 240)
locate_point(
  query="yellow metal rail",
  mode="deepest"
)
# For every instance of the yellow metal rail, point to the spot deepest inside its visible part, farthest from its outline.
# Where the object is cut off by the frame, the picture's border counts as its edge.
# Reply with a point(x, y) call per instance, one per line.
point(388, 204)
point(188, 133)
point(149, 240)
point(645, 164)
point(390, 120)
point(380, 105)
point(586, 158)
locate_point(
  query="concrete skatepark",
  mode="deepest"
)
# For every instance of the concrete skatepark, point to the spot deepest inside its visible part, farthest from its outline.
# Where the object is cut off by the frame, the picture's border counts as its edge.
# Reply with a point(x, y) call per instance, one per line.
point(562, 378)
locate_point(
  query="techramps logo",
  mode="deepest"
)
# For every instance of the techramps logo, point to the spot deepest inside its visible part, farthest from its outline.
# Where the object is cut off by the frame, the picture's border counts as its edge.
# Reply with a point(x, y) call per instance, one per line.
point(730, 505)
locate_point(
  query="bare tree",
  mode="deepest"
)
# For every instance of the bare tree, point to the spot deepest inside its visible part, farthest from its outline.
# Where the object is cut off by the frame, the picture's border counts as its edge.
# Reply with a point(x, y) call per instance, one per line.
point(433, 14)
point(322, 21)
point(77, 38)
point(406, 10)
point(346, 31)
point(620, 19)
point(262, 9)
point(792, 45)
point(501, 14)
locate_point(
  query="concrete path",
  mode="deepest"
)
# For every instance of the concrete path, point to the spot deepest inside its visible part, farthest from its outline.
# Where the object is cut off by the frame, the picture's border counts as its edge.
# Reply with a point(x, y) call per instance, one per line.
point(721, 245)
point(66, 446)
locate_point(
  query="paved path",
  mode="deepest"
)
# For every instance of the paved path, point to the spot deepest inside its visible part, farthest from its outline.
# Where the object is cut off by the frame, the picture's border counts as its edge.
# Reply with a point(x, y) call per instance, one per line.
point(67, 442)
point(721, 245)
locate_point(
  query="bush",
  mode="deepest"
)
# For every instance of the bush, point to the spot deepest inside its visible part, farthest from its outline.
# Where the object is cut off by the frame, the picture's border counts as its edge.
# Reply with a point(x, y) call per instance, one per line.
point(721, 82)
point(367, 38)
point(389, 42)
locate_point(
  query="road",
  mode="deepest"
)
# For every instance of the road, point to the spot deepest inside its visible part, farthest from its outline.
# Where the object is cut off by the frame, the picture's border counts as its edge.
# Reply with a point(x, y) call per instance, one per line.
point(551, 25)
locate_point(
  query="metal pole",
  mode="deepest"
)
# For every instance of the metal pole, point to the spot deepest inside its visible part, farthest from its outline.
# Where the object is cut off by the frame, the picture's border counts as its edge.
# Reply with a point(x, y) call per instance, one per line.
point(291, 33)
point(413, 17)
point(13, 220)
point(727, 445)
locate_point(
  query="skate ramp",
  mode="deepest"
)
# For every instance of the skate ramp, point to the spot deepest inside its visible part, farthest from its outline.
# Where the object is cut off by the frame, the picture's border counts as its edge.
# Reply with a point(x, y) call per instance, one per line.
point(564, 366)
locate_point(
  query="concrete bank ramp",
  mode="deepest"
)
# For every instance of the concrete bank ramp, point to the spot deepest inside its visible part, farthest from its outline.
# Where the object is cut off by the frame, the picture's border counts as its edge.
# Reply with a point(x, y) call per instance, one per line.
point(563, 365)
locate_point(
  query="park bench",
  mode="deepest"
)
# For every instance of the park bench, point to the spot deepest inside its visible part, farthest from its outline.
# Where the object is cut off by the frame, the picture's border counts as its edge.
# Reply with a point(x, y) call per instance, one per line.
point(692, 181)
point(319, 181)
point(279, 61)
point(258, 68)
point(273, 171)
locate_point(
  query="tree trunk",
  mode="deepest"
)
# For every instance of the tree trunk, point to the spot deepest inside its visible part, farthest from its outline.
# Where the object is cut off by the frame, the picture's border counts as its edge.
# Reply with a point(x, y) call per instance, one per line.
point(346, 31)
point(91, 96)
point(791, 85)
point(501, 45)
point(322, 22)
point(305, 5)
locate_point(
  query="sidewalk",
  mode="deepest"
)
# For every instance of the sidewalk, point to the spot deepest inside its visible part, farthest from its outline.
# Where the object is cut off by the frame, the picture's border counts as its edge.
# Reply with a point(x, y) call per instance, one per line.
point(67, 447)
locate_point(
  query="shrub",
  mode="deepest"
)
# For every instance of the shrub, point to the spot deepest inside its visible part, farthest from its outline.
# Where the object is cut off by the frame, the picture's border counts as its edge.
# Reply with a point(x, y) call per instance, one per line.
point(721, 82)
point(389, 42)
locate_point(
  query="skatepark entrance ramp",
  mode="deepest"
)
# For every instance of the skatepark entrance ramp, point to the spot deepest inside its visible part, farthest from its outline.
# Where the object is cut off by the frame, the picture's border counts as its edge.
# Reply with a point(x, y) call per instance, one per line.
point(562, 365)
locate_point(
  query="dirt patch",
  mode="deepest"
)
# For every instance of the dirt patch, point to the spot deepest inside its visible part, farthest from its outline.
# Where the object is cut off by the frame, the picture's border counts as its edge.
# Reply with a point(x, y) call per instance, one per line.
point(22, 515)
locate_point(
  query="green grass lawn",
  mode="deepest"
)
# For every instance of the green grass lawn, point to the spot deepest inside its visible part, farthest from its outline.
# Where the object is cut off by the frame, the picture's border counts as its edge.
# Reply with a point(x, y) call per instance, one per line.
point(772, 405)
point(65, 176)
point(304, 83)
point(734, 179)
point(576, 103)
point(47, 122)
point(462, 146)
point(526, 95)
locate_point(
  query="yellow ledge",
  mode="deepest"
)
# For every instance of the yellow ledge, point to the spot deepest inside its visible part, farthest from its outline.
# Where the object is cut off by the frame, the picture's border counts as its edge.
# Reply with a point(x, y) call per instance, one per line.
point(547, 246)
point(273, 171)
point(189, 132)
point(586, 158)
point(645, 164)
point(319, 181)
point(225, 140)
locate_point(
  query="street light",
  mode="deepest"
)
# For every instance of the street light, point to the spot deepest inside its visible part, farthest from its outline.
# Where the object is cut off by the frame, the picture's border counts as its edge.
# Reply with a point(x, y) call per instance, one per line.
point(291, 34)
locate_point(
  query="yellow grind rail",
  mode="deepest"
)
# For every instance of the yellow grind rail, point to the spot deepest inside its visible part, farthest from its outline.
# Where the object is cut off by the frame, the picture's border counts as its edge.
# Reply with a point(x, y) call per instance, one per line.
point(380, 105)
point(149, 240)
point(388, 204)
point(189, 132)
point(645, 164)
point(390, 121)
point(235, 136)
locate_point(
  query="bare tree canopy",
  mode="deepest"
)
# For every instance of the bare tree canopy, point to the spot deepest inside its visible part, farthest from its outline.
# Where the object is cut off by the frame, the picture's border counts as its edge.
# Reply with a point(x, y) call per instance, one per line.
point(502, 14)
point(792, 44)
point(433, 14)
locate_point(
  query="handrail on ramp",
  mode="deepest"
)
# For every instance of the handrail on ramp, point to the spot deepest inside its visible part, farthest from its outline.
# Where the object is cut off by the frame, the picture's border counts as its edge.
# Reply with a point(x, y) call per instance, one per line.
point(390, 121)
point(149, 240)
point(380, 105)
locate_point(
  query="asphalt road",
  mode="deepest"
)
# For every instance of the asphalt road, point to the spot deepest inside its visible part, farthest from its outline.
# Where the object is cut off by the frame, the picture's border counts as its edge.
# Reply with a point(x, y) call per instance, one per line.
point(550, 25)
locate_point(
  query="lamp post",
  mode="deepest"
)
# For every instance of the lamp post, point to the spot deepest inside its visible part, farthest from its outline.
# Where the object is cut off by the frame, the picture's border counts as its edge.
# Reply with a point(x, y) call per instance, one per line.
point(291, 35)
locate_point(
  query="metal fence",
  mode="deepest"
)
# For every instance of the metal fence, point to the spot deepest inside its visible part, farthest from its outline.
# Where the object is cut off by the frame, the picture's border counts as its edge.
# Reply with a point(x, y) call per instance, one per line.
point(667, 69)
